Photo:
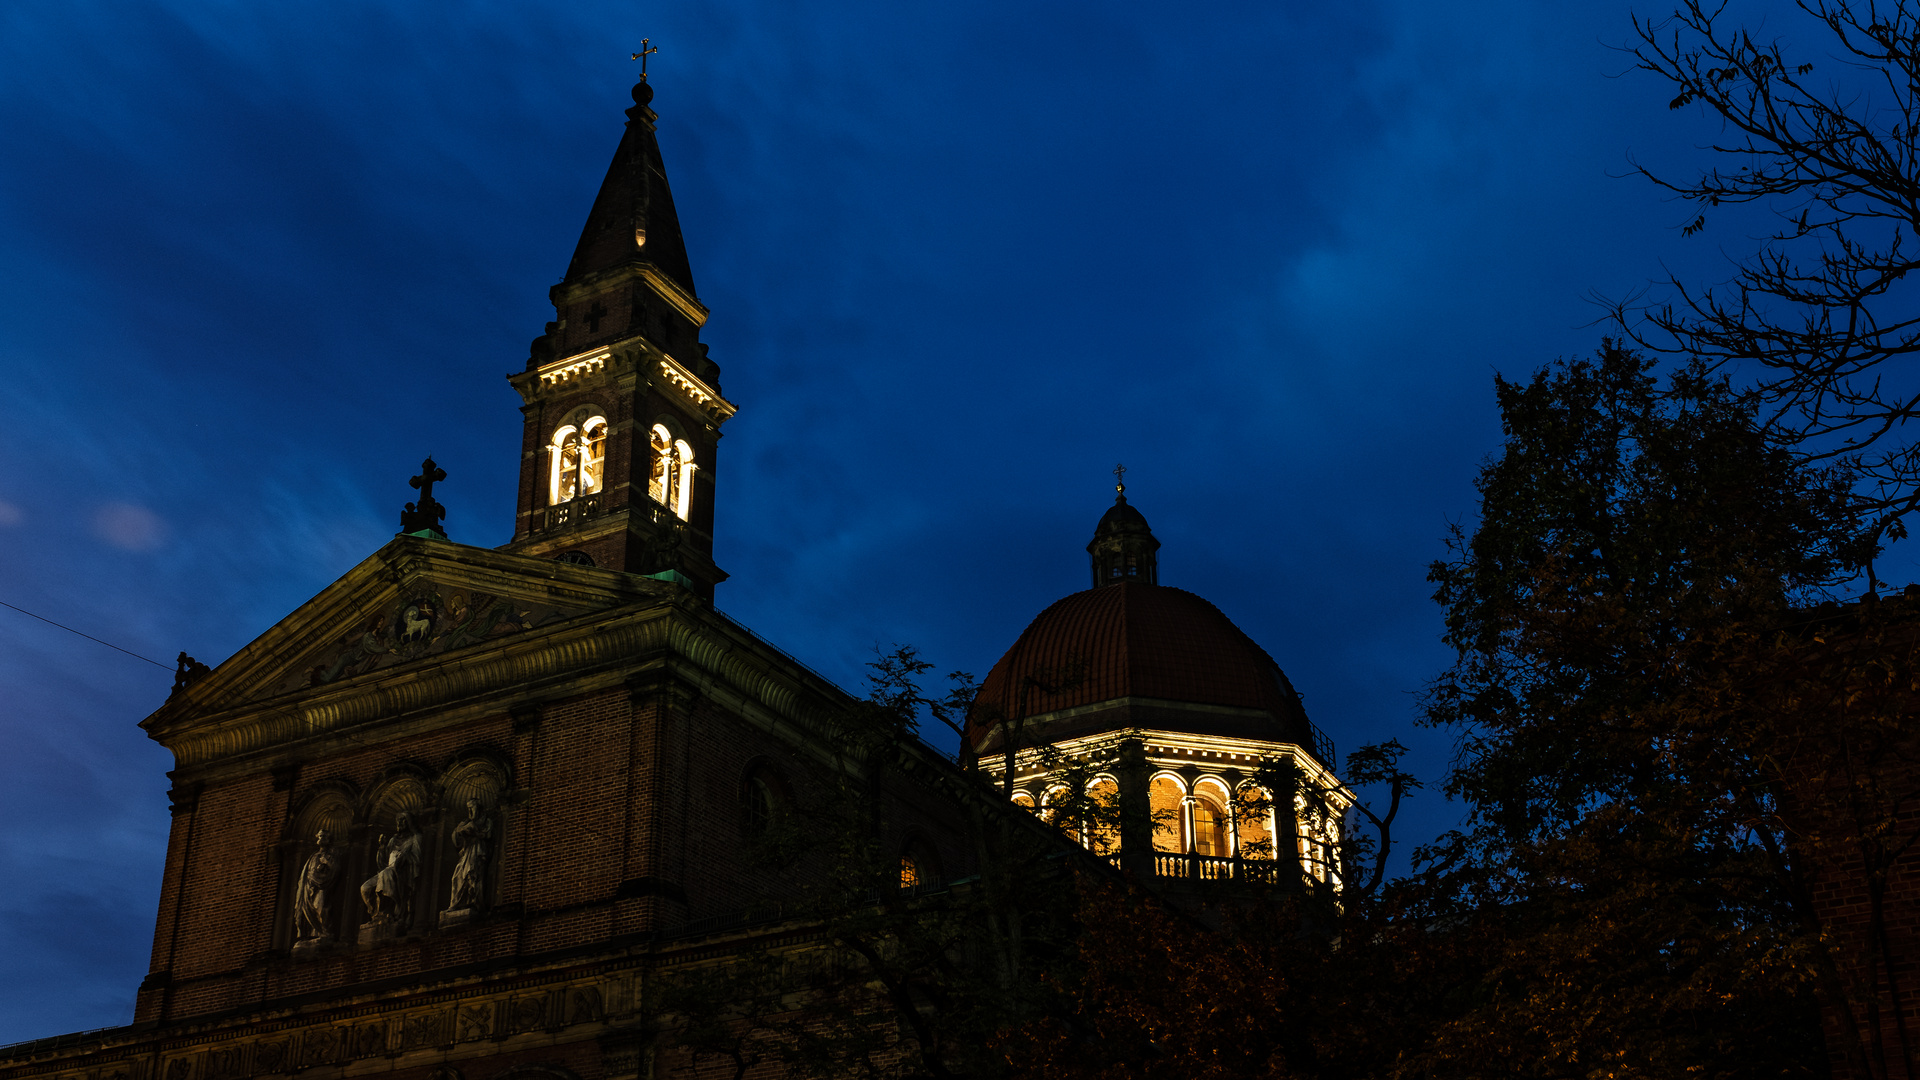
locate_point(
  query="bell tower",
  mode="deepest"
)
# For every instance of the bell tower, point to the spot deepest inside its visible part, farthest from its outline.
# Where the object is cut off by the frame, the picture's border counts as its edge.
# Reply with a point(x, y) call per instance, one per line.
point(623, 408)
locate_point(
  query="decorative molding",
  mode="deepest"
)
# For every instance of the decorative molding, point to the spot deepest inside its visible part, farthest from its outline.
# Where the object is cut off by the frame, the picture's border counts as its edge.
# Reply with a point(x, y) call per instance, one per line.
point(572, 368)
point(704, 397)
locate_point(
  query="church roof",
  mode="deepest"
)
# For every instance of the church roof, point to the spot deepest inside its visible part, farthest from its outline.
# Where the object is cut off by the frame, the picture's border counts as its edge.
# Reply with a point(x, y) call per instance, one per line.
point(1135, 640)
point(633, 220)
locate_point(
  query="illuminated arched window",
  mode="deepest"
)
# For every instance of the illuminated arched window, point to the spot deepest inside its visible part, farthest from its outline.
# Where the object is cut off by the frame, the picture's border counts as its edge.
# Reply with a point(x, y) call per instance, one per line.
point(1164, 796)
point(1255, 824)
point(1209, 826)
point(1058, 810)
point(579, 453)
point(919, 865)
point(1023, 800)
point(1103, 816)
point(670, 482)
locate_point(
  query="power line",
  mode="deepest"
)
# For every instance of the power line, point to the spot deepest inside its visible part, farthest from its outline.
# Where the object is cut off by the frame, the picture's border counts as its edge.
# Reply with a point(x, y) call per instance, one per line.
point(89, 637)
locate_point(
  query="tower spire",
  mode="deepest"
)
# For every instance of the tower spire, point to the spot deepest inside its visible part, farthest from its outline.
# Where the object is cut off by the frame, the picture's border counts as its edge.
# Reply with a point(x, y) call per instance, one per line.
point(633, 223)
point(623, 407)
point(1123, 547)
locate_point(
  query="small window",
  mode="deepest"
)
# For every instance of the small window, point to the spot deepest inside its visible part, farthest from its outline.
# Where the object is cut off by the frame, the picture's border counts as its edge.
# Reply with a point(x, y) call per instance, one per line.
point(575, 558)
point(759, 807)
point(762, 797)
point(919, 865)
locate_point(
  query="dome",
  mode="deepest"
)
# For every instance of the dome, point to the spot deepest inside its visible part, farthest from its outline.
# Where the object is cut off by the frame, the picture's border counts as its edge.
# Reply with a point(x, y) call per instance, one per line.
point(1121, 517)
point(1141, 641)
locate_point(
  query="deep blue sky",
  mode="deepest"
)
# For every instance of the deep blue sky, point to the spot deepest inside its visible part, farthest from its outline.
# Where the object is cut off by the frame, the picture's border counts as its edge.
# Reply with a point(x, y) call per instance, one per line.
point(260, 258)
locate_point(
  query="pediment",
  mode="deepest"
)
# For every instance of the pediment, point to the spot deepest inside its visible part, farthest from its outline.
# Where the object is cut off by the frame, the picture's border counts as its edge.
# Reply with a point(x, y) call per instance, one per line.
point(415, 600)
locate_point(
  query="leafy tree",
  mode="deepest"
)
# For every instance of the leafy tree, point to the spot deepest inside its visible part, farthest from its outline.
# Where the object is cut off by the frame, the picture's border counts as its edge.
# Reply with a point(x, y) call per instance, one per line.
point(1660, 751)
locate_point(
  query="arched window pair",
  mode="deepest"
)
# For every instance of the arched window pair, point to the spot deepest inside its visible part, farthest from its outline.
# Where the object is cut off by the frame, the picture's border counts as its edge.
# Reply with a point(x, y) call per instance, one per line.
point(579, 453)
point(671, 481)
point(1201, 821)
point(1093, 821)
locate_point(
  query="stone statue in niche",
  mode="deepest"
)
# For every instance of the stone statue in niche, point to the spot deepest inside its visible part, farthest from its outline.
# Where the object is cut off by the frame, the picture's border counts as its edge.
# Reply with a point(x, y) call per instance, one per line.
point(311, 917)
point(474, 838)
point(388, 894)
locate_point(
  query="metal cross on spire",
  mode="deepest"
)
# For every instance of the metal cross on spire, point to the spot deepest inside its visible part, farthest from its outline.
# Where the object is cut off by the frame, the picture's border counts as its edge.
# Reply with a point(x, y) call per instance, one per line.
point(1120, 479)
point(642, 56)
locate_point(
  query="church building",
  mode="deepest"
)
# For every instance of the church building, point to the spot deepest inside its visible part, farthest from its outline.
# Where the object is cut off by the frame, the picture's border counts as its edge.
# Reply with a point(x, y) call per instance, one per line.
point(451, 817)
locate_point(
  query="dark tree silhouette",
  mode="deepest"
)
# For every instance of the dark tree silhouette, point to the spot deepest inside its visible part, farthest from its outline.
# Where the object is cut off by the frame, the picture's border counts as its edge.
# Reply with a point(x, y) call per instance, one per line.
point(1824, 132)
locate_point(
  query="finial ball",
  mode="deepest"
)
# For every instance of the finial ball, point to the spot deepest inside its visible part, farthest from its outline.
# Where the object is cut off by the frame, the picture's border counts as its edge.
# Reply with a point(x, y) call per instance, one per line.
point(642, 92)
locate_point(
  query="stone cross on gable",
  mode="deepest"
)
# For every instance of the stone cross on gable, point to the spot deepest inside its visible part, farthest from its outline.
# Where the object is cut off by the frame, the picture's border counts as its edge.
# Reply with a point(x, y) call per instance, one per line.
point(426, 516)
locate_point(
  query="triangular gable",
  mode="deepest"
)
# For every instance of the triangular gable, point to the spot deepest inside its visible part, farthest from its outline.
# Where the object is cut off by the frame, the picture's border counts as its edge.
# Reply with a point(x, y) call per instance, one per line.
point(413, 599)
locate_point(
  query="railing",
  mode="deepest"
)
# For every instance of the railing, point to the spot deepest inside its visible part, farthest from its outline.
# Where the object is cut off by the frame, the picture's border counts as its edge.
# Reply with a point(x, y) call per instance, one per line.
point(1216, 868)
point(1322, 746)
point(573, 510)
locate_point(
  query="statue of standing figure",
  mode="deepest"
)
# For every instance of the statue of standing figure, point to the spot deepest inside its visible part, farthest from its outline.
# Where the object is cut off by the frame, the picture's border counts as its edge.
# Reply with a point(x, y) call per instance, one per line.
point(474, 838)
point(388, 894)
point(310, 895)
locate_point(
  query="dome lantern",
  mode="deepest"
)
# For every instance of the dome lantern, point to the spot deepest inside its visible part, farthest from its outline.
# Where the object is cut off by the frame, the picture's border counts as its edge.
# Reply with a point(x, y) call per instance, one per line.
point(1123, 547)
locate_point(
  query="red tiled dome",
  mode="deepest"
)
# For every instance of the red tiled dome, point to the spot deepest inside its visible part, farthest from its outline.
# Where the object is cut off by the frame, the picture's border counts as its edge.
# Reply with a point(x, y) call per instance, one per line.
point(1136, 640)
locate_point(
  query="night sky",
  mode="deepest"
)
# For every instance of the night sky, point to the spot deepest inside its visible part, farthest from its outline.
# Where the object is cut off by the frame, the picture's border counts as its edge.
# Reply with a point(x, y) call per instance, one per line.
point(260, 259)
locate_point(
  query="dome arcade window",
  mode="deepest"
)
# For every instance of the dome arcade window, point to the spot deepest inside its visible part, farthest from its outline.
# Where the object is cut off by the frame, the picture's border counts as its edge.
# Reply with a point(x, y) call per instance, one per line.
point(1209, 827)
point(1164, 798)
point(670, 482)
point(579, 453)
point(1103, 816)
point(1254, 820)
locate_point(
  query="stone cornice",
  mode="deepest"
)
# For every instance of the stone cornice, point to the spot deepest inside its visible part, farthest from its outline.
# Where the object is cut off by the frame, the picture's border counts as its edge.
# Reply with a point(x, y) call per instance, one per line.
point(1176, 750)
point(665, 287)
point(704, 399)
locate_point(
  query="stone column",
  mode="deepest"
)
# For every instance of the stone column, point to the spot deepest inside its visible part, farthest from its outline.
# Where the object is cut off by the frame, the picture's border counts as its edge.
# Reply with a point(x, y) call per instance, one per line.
point(1136, 813)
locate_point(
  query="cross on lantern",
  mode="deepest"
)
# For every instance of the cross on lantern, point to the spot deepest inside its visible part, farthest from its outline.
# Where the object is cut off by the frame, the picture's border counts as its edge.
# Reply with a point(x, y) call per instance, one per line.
point(642, 57)
point(1120, 479)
